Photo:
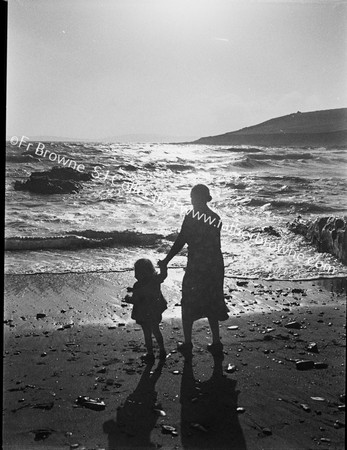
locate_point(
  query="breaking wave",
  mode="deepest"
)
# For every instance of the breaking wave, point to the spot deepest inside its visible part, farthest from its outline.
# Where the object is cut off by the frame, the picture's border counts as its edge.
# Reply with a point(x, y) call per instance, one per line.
point(83, 239)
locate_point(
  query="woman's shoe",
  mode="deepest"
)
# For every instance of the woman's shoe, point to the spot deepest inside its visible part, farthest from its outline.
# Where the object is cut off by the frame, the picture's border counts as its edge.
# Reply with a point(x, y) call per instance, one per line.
point(215, 348)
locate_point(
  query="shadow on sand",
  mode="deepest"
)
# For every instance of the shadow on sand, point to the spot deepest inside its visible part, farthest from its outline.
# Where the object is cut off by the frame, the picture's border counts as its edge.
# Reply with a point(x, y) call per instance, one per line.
point(135, 419)
point(208, 411)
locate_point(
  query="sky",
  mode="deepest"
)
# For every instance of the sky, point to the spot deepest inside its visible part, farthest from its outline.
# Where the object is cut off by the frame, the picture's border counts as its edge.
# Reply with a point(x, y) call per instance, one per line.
point(92, 69)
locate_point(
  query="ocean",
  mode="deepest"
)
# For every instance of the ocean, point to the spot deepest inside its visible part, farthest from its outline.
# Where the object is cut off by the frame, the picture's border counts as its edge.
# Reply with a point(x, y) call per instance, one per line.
point(135, 203)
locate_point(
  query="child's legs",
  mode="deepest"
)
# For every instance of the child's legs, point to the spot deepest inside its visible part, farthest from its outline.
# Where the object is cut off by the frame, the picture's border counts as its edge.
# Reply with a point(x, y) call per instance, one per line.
point(147, 331)
point(158, 336)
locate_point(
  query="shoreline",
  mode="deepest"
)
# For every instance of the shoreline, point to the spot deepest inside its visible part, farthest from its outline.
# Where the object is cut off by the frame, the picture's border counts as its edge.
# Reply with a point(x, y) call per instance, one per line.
point(86, 345)
point(104, 292)
point(130, 269)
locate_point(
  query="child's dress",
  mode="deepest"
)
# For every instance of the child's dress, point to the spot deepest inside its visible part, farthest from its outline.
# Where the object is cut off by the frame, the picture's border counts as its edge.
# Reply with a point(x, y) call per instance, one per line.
point(149, 303)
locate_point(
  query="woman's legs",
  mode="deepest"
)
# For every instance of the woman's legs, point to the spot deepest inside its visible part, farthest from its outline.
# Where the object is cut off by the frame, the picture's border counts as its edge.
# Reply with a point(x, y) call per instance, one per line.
point(187, 324)
point(186, 347)
point(214, 325)
point(216, 348)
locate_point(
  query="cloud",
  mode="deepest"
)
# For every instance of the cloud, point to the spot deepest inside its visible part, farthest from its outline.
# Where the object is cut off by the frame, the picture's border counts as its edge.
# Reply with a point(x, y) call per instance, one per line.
point(221, 39)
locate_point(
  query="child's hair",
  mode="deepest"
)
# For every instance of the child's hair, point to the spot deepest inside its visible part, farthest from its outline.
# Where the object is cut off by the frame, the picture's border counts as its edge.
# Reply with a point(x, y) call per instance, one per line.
point(145, 266)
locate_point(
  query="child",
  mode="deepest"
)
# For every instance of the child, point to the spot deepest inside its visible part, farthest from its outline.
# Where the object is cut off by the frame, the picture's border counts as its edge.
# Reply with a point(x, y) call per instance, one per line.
point(149, 304)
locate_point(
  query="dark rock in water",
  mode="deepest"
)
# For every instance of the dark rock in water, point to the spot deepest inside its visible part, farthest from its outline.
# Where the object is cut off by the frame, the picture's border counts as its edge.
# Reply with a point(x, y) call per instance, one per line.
point(327, 234)
point(59, 180)
point(48, 186)
point(298, 227)
point(67, 173)
point(271, 231)
point(304, 364)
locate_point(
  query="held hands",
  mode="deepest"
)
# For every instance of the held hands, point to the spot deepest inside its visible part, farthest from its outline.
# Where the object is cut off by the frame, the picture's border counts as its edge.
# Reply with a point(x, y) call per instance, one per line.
point(162, 264)
point(128, 298)
point(163, 269)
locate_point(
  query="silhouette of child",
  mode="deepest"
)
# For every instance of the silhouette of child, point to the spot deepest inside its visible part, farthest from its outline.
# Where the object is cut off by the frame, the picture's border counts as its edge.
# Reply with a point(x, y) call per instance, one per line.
point(149, 304)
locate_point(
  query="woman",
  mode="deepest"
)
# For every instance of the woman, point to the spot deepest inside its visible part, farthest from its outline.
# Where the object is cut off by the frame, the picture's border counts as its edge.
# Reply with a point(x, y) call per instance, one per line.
point(202, 288)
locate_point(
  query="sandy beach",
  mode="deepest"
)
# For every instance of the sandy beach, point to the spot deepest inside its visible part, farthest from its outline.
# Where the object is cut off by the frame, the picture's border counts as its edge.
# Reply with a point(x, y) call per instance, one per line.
point(70, 336)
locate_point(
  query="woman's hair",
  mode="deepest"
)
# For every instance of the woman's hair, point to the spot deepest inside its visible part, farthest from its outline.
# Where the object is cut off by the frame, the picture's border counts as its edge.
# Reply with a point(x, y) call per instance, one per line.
point(202, 192)
point(145, 266)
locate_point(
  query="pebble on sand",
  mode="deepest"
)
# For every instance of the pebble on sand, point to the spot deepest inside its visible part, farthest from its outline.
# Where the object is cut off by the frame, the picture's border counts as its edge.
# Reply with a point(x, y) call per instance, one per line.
point(312, 347)
point(294, 325)
point(40, 316)
point(230, 368)
point(304, 365)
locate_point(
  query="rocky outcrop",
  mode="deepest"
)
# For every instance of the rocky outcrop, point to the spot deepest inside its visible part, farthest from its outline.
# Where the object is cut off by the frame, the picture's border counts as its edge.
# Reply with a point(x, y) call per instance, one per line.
point(327, 234)
point(316, 128)
point(59, 180)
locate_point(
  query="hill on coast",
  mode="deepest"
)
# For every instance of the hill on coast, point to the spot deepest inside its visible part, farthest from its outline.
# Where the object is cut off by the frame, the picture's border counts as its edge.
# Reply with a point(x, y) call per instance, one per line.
point(327, 127)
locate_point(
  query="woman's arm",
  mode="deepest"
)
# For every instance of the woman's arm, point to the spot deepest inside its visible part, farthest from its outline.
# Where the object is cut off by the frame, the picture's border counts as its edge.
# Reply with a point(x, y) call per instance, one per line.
point(163, 272)
point(176, 248)
point(177, 245)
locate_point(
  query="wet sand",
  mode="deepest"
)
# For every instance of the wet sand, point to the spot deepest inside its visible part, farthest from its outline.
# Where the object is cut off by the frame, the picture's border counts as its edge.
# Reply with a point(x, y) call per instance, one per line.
point(69, 335)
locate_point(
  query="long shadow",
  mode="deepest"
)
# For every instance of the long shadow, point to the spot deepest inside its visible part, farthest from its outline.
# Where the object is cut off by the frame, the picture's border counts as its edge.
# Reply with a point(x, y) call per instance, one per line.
point(136, 418)
point(208, 411)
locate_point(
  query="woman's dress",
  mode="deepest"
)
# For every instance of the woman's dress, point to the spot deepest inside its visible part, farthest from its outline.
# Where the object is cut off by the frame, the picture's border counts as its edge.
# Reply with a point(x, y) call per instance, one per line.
point(202, 288)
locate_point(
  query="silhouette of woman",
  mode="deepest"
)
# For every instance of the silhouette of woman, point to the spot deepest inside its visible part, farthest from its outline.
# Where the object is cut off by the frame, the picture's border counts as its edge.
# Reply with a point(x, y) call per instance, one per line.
point(209, 417)
point(202, 287)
